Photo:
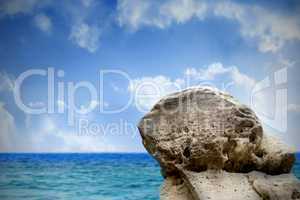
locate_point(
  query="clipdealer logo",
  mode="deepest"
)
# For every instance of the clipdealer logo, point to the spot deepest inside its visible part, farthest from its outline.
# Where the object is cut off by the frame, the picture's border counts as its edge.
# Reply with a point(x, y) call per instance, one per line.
point(56, 89)
point(269, 98)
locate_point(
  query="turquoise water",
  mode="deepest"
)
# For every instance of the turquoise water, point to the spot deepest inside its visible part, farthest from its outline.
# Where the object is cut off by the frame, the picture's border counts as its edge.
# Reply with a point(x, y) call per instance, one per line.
point(296, 168)
point(82, 176)
point(79, 176)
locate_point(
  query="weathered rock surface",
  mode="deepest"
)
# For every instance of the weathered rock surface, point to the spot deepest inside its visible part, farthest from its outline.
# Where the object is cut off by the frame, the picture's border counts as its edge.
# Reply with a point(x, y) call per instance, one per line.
point(278, 187)
point(276, 157)
point(211, 147)
point(203, 128)
point(174, 189)
point(221, 185)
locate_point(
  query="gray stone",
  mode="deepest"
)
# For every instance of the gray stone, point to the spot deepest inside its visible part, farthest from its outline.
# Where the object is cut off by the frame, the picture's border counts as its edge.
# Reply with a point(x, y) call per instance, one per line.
point(211, 147)
point(279, 187)
point(222, 185)
point(203, 128)
point(219, 185)
point(275, 156)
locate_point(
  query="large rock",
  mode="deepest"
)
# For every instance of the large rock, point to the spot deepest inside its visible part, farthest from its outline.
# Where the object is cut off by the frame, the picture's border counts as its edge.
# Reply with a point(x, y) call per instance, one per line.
point(202, 128)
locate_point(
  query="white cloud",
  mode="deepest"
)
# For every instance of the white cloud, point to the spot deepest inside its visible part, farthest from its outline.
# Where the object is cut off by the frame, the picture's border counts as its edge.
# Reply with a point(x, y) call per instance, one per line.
point(295, 108)
point(48, 136)
point(61, 105)
point(208, 73)
point(215, 69)
point(181, 11)
point(7, 127)
point(242, 79)
point(42, 134)
point(82, 34)
point(94, 104)
point(148, 90)
point(86, 36)
point(51, 138)
point(135, 13)
point(43, 22)
point(6, 82)
point(271, 30)
point(71, 142)
point(48, 125)
point(83, 108)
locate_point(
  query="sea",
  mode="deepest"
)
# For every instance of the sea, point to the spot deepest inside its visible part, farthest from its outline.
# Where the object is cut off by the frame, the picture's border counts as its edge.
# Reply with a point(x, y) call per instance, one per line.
point(85, 176)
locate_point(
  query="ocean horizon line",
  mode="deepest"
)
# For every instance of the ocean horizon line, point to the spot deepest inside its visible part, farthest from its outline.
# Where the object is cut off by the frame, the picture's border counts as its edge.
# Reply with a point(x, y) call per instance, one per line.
point(100, 152)
point(75, 152)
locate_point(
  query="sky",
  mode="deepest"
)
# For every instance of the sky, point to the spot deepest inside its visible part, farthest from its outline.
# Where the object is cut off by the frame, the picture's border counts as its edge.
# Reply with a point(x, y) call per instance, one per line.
point(77, 76)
